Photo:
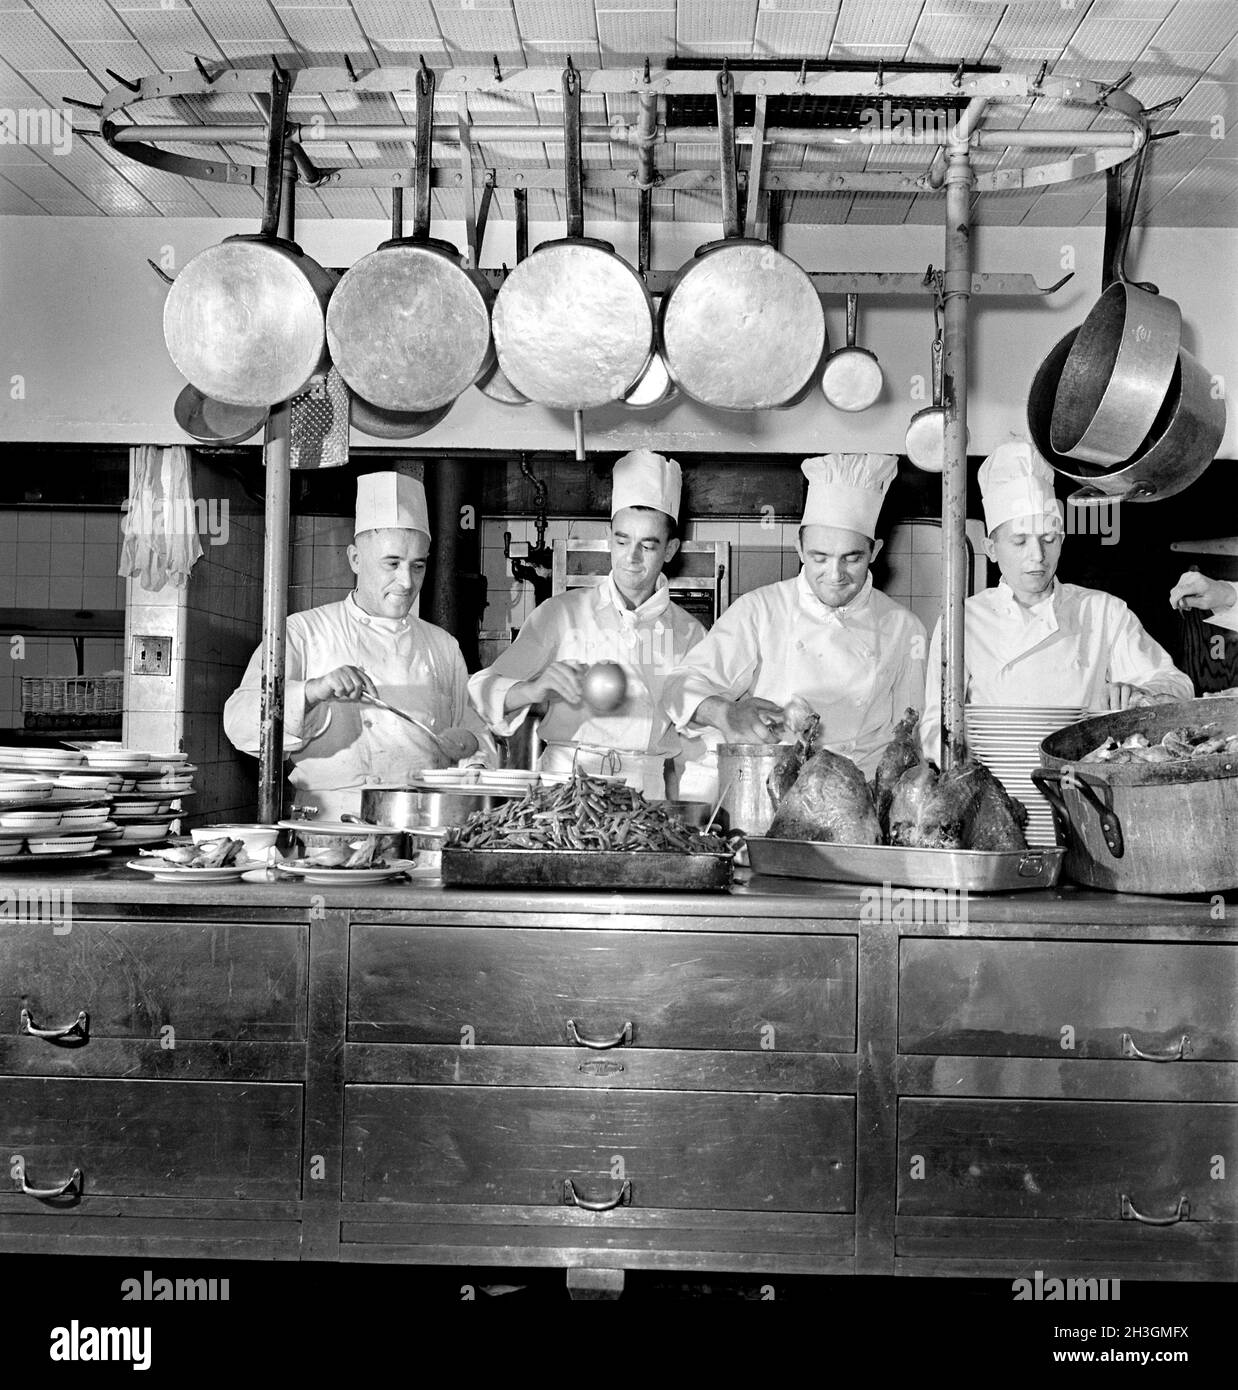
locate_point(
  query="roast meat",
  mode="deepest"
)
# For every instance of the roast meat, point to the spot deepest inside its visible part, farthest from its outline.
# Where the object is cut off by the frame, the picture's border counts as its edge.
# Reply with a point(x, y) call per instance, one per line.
point(830, 802)
point(902, 752)
point(964, 808)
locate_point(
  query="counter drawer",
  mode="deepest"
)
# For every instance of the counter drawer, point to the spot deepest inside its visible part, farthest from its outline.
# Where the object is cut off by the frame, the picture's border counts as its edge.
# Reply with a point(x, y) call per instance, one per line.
point(515, 986)
point(1067, 999)
point(1053, 1159)
point(196, 1140)
point(205, 980)
point(520, 1146)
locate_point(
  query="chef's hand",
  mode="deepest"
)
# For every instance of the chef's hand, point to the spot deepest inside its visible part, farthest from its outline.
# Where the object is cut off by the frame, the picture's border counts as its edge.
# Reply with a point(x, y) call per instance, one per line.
point(344, 683)
point(559, 681)
point(746, 720)
point(1195, 590)
point(458, 743)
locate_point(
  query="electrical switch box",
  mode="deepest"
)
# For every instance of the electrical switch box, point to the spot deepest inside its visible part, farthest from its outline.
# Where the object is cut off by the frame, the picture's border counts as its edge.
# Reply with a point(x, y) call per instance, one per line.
point(152, 655)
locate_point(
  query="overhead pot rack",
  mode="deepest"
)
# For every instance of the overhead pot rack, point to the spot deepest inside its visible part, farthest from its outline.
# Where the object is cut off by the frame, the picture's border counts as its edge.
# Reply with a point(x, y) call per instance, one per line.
point(967, 101)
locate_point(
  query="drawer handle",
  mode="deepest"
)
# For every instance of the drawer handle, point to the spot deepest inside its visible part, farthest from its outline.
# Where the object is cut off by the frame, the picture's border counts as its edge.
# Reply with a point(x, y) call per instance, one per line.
point(71, 1188)
point(1182, 1213)
point(621, 1039)
point(1130, 1050)
point(572, 1198)
point(78, 1030)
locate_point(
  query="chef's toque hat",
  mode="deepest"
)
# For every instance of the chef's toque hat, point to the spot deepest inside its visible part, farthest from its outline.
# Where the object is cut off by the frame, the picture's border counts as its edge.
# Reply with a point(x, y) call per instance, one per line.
point(391, 501)
point(847, 490)
point(1016, 482)
point(645, 479)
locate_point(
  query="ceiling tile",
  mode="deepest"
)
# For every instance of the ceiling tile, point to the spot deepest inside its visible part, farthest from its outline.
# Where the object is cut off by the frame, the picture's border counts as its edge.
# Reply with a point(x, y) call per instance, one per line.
point(1198, 26)
point(82, 19)
point(956, 34)
point(29, 43)
point(14, 202)
point(864, 23)
point(565, 20)
point(477, 33)
point(254, 20)
point(1048, 24)
point(413, 20)
point(794, 33)
point(1109, 40)
point(326, 30)
point(171, 37)
point(635, 33)
point(716, 21)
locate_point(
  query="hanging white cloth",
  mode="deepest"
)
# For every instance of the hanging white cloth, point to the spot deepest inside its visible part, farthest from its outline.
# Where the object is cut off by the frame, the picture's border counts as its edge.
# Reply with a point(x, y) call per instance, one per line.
point(160, 530)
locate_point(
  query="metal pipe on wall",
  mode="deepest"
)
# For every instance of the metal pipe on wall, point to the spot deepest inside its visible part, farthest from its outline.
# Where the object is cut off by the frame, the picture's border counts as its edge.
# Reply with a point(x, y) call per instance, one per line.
point(956, 287)
point(277, 458)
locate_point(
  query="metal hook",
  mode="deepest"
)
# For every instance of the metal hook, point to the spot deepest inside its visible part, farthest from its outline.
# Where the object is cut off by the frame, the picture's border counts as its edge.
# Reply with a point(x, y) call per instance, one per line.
point(281, 74)
point(124, 81)
point(1113, 86)
point(425, 71)
point(207, 76)
point(573, 75)
point(85, 105)
point(957, 79)
point(881, 73)
point(1040, 76)
point(498, 71)
point(162, 274)
point(802, 79)
point(353, 75)
point(646, 77)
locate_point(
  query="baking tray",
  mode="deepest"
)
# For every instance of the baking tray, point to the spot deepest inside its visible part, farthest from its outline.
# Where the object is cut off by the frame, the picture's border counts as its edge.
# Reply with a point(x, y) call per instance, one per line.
point(967, 870)
point(586, 868)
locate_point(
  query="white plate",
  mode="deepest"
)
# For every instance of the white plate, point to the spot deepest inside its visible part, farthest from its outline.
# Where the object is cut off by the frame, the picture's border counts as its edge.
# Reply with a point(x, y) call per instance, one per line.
point(68, 844)
point(39, 757)
point(15, 861)
point(30, 820)
point(20, 798)
point(450, 776)
point(118, 762)
point(135, 835)
point(314, 874)
point(176, 873)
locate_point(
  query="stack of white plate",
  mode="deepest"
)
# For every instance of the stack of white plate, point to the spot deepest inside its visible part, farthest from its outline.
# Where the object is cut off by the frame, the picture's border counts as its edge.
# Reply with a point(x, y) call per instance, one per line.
point(1007, 739)
point(507, 779)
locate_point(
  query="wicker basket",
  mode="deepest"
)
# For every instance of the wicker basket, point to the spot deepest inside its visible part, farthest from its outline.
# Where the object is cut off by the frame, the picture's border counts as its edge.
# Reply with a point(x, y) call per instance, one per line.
point(71, 694)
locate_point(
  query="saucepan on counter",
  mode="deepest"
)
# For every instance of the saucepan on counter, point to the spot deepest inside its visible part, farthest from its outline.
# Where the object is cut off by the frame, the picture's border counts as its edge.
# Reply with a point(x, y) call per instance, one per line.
point(426, 807)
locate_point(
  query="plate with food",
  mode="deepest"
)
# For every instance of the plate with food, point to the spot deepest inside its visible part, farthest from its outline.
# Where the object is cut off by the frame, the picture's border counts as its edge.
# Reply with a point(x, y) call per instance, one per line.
point(216, 861)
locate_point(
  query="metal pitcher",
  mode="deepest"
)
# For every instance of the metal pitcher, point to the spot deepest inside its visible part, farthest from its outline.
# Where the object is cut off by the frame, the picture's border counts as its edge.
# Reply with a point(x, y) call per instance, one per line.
point(743, 778)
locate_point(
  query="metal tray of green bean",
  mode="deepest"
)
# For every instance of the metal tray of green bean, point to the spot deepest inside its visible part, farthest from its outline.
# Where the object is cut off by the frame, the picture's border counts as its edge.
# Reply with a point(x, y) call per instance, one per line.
point(586, 833)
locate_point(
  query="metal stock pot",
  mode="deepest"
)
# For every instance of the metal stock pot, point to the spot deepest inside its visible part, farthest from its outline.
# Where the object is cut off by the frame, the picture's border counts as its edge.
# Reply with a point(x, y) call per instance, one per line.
point(1166, 827)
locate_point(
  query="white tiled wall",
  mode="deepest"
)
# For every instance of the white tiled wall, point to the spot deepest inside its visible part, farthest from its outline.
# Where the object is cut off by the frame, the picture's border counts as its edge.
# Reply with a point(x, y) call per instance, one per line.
point(57, 558)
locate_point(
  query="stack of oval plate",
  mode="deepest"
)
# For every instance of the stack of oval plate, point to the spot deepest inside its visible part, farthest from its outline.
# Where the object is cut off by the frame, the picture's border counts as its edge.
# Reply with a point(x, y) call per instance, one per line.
point(1006, 739)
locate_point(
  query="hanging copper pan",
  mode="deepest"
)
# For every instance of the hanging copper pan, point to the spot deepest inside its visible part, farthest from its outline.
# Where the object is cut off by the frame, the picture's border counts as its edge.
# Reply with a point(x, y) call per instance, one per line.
point(212, 422)
point(1120, 365)
point(1182, 442)
point(851, 378)
point(573, 324)
point(393, 424)
point(741, 327)
point(409, 325)
point(926, 431)
point(244, 320)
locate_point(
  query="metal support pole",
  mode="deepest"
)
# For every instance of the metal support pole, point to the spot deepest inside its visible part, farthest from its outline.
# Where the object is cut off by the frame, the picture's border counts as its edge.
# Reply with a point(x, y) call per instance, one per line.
point(957, 289)
point(277, 458)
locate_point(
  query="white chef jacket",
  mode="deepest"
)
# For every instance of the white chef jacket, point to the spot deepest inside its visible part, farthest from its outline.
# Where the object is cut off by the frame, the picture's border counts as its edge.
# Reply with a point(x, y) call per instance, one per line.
point(339, 746)
point(859, 667)
point(588, 625)
point(1068, 649)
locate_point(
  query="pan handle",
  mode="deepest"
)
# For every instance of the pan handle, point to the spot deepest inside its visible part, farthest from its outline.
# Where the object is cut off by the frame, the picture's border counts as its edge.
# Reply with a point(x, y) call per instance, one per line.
point(853, 314)
point(571, 152)
point(1128, 218)
point(725, 92)
point(1110, 825)
point(424, 153)
point(276, 137)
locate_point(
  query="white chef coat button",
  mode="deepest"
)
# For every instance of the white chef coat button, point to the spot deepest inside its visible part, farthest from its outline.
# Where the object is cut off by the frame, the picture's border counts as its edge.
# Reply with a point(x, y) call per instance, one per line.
point(369, 723)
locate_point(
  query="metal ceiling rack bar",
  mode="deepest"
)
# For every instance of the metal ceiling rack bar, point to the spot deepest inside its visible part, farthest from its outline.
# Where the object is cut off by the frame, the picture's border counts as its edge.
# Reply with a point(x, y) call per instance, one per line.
point(950, 168)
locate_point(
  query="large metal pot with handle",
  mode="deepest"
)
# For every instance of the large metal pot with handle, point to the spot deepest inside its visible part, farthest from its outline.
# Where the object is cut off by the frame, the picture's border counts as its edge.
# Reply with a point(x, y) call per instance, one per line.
point(409, 324)
point(1165, 827)
point(1120, 365)
point(573, 324)
point(744, 770)
point(742, 326)
point(1182, 442)
point(244, 321)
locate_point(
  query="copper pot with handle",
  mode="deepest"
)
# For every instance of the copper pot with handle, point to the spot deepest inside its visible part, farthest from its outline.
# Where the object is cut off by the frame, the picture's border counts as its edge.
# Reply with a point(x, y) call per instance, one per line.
point(742, 326)
point(409, 324)
point(1121, 363)
point(244, 321)
point(851, 378)
point(573, 324)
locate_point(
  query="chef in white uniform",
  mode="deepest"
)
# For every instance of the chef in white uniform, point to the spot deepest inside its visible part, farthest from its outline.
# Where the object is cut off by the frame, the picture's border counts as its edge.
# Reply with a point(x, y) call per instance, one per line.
point(628, 619)
point(825, 642)
point(370, 644)
point(1034, 640)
